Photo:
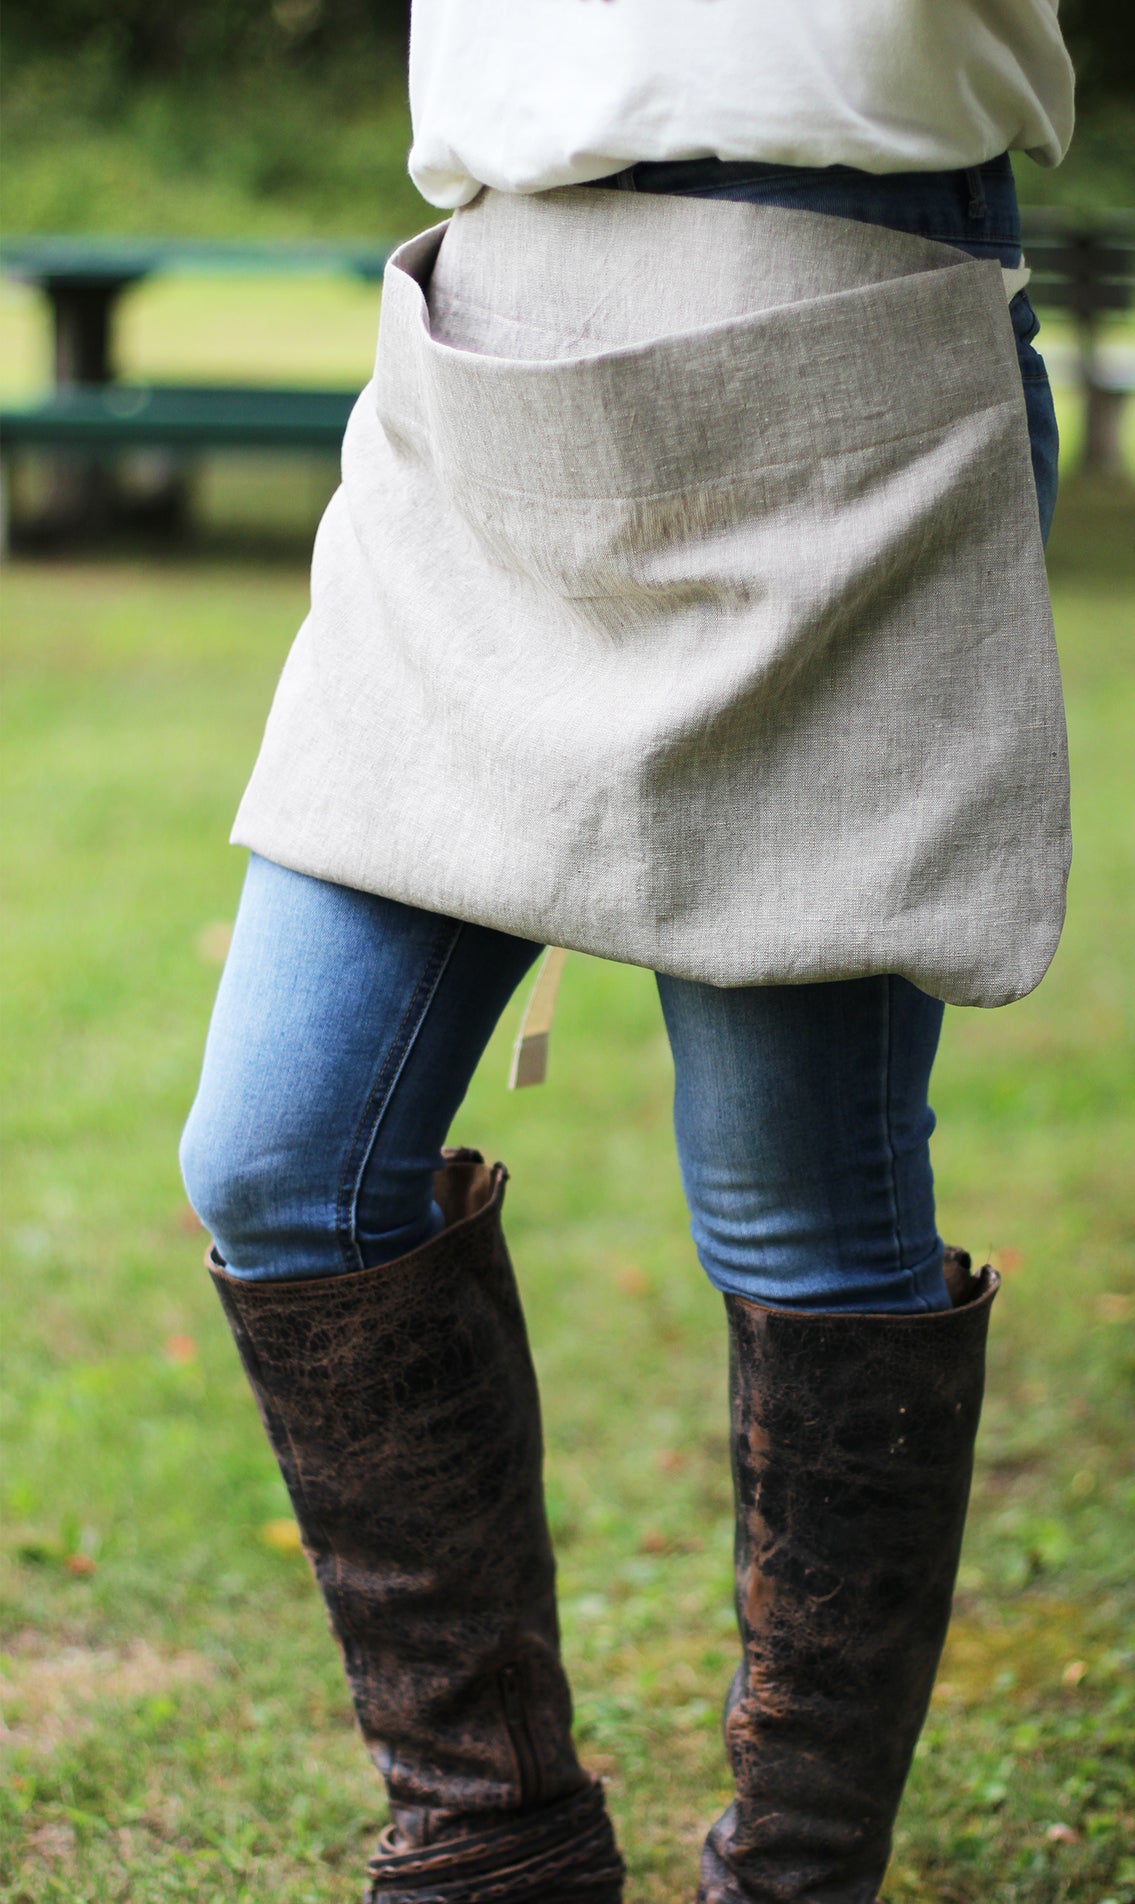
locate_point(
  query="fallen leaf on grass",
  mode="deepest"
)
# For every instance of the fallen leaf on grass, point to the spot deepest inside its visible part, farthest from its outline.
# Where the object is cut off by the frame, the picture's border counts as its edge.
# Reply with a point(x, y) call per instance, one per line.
point(52, 1550)
point(1115, 1308)
point(283, 1535)
point(1007, 1261)
point(604, 1765)
point(631, 1280)
point(1073, 1673)
point(45, 1550)
point(180, 1348)
point(1062, 1834)
point(654, 1541)
point(670, 1460)
point(213, 941)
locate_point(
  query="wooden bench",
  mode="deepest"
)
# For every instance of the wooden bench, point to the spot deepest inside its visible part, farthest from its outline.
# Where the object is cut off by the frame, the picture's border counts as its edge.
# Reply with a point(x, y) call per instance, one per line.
point(90, 417)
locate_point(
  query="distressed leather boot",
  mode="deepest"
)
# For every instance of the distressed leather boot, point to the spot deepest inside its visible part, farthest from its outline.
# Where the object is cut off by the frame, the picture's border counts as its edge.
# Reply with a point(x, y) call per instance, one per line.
point(401, 1405)
point(852, 1441)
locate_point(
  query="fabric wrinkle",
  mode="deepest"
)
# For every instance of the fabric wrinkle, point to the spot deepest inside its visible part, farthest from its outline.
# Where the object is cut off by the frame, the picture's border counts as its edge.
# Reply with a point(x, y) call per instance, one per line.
point(656, 626)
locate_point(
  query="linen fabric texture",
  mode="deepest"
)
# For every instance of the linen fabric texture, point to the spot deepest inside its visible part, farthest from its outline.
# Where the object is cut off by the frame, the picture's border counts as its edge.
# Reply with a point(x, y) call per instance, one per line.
point(684, 602)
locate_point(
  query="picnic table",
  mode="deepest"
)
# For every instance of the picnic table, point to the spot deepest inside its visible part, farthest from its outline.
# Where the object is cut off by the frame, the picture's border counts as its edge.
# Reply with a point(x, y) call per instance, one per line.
point(1084, 270)
point(90, 414)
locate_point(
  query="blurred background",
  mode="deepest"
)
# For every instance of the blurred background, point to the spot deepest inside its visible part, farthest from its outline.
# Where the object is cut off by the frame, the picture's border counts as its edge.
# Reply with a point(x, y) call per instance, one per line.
point(196, 201)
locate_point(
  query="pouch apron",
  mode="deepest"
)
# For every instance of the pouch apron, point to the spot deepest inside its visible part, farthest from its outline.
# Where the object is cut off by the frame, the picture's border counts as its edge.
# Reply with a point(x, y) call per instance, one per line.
point(684, 602)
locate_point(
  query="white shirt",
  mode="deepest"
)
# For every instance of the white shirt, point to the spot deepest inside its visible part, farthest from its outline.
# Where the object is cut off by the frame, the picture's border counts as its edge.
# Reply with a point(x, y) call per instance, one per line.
point(524, 95)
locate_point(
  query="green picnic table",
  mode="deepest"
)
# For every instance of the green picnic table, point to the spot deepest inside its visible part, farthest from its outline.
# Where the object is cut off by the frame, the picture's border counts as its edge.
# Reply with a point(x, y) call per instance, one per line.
point(89, 415)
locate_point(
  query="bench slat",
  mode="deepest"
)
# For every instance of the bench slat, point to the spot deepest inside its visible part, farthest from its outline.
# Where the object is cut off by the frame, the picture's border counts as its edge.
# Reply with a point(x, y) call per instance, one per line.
point(182, 415)
point(95, 260)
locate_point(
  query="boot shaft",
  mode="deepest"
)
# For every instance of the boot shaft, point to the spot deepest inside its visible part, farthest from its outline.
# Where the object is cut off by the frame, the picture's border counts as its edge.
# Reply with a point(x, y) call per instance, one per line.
point(402, 1407)
point(852, 1449)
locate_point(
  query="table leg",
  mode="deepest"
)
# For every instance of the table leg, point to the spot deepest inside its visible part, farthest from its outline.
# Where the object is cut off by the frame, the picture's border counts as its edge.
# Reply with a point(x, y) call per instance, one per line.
point(82, 488)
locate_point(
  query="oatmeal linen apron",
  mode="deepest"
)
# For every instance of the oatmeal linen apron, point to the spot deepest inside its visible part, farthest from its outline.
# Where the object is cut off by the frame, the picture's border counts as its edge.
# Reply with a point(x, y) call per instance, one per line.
point(684, 602)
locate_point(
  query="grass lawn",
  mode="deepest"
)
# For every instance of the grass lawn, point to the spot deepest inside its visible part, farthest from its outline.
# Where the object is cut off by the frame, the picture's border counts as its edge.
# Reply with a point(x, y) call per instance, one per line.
point(176, 1721)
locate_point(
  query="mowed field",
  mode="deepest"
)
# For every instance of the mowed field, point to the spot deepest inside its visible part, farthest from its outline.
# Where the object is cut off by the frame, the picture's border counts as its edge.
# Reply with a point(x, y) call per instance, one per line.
point(176, 1723)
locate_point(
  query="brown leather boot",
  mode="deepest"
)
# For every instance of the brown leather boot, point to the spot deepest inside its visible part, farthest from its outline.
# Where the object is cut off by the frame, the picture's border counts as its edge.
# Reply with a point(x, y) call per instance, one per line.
point(401, 1405)
point(852, 1453)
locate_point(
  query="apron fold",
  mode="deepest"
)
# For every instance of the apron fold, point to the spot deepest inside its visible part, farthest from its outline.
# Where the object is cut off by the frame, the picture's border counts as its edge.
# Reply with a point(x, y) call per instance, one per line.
point(684, 602)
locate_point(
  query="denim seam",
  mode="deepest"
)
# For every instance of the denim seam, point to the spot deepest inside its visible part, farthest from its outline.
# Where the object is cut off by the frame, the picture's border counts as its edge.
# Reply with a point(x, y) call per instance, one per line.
point(378, 1100)
point(888, 1092)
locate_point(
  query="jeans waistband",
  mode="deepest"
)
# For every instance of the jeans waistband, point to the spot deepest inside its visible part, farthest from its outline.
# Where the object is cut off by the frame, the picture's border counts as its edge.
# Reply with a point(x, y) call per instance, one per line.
point(975, 208)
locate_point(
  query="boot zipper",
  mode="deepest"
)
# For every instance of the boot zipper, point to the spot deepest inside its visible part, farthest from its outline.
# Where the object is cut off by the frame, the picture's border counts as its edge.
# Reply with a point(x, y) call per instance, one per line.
point(516, 1719)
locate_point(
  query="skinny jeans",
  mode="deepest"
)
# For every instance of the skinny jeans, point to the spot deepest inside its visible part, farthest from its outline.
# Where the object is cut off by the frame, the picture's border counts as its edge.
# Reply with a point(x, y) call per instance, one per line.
point(347, 1026)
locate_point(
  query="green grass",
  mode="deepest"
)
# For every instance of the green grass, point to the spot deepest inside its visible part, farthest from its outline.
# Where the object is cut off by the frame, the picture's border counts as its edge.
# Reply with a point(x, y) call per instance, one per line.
point(178, 1727)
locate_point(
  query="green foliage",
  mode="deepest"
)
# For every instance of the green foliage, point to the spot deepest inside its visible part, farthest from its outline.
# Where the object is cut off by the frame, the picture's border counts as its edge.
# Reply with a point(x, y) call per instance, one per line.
point(178, 1726)
point(188, 38)
point(191, 37)
point(1097, 174)
point(1099, 38)
point(271, 151)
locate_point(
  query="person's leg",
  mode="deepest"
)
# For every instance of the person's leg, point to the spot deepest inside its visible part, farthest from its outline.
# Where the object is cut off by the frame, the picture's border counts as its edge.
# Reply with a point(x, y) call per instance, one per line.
point(856, 1373)
point(803, 1134)
point(365, 1277)
point(343, 1038)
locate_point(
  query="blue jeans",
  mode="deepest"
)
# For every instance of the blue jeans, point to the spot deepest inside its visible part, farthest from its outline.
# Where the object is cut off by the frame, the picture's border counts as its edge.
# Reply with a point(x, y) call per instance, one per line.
point(347, 1026)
